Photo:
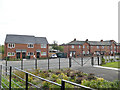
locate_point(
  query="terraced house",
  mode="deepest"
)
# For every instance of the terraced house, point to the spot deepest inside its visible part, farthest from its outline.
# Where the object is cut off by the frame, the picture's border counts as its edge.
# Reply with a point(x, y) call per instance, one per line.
point(77, 48)
point(25, 46)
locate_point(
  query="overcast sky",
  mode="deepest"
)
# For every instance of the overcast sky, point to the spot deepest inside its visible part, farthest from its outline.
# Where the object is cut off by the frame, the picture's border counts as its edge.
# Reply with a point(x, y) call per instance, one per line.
point(60, 20)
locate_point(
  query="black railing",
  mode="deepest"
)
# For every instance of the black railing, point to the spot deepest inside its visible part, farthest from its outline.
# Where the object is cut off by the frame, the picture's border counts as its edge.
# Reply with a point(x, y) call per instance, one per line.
point(8, 80)
point(75, 84)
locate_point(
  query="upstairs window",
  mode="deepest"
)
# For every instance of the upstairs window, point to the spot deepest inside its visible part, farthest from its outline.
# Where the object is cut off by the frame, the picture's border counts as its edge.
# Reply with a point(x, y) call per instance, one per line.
point(79, 46)
point(30, 46)
point(10, 45)
point(72, 46)
point(43, 45)
point(83, 46)
point(111, 47)
point(97, 47)
point(102, 47)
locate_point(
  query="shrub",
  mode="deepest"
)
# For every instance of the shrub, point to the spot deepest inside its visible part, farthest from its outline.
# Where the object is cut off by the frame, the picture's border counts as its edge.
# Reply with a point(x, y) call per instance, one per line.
point(112, 60)
point(103, 61)
point(117, 58)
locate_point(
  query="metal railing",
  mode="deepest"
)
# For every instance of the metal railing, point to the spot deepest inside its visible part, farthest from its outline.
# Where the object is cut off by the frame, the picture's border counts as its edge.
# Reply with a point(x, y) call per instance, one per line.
point(8, 79)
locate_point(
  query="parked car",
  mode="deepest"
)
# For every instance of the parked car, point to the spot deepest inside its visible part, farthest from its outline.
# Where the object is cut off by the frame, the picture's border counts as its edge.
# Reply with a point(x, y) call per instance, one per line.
point(53, 56)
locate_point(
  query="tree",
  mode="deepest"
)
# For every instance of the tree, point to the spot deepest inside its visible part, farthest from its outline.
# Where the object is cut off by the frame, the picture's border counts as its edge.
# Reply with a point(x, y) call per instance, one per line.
point(56, 46)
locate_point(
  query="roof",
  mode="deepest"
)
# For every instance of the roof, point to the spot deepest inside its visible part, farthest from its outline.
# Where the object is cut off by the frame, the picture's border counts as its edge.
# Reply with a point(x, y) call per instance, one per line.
point(76, 43)
point(103, 43)
point(99, 43)
point(25, 39)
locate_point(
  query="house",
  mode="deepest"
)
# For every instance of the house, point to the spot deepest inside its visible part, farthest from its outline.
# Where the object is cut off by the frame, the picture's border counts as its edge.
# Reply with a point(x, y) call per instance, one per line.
point(77, 48)
point(25, 46)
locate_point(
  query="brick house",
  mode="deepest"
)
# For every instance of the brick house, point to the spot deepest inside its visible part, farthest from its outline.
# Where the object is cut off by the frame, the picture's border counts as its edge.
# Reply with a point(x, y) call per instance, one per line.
point(77, 48)
point(25, 46)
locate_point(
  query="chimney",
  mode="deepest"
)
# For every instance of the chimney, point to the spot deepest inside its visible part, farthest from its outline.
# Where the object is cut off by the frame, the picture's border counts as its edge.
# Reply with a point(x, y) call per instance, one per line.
point(101, 40)
point(74, 39)
point(86, 39)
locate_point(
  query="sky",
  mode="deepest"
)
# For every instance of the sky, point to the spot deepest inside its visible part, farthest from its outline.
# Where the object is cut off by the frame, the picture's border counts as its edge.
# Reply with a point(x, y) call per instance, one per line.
point(60, 20)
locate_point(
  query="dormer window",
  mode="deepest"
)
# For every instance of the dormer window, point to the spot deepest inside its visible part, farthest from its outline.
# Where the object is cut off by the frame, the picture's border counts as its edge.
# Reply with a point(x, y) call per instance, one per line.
point(10, 45)
point(30, 45)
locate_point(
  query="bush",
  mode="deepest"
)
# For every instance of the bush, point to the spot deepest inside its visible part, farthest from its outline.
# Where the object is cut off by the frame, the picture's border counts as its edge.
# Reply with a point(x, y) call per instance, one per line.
point(103, 61)
point(117, 58)
point(112, 60)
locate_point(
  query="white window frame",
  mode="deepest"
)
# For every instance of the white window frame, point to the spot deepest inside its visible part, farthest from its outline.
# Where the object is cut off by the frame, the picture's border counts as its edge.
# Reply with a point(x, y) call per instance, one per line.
point(72, 46)
point(103, 47)
point(43, 53)
point(87, 52)
point(29, 45)
point(11, 45)
point(83, 46)
point(11, 54)
point(83, 52)
point(43, 45)
point(97, 47)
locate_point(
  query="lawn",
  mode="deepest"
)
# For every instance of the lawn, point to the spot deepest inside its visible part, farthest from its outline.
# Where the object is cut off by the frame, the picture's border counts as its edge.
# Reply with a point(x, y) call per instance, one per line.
point(112, 64)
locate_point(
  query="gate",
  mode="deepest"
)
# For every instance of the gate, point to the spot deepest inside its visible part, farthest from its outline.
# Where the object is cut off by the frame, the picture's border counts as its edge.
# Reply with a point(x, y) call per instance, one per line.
point(85, 61)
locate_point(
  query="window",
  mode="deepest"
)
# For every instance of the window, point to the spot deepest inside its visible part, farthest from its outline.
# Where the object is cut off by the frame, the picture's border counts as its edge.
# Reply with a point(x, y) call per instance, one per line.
point(43, 45)
point(11, 54)
point(43, 53)
point(108, 47)
point(97, 47)
point(72, 46)
point(111, 47)
point(87, 52)
point(88, 47)
point(114, 47)
point(30, 53)
point(10, 45)
point(91, 46)
point(83, 52)
point(30, 46)
point(102, 47)
point(79, 46)
point(83, 46)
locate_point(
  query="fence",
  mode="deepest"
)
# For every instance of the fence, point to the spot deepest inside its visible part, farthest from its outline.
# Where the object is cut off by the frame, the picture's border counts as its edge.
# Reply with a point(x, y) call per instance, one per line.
point(59, 63)
point(8, 80)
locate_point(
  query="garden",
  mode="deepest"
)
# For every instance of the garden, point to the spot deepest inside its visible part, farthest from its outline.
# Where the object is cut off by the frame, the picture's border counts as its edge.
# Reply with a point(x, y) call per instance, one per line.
point(89, 80)
point(115, 63)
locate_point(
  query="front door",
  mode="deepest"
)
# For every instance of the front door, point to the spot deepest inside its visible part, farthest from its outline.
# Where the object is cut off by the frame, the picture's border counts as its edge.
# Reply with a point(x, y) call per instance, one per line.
point(23, 55)
point(18, 55)
point(38, 54)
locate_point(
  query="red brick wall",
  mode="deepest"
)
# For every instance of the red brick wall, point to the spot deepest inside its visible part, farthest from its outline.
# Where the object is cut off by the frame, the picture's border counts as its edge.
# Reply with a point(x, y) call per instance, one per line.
point(25, 46)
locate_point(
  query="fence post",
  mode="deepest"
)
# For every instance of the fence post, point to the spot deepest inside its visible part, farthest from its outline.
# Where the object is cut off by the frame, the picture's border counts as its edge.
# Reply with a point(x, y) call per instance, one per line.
point(81, 61)
point(26, 81)
point(36, 63)
point(48, 63)
point(92, 62)
point(63, 85)
point(0, 76)
point(10, 77)
point(70, 62)
point(59, 63)
point(22, 64)
point(98, 60)
point(6, 67)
